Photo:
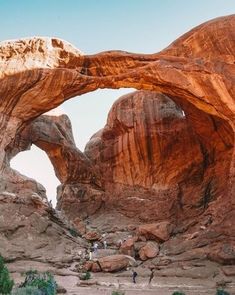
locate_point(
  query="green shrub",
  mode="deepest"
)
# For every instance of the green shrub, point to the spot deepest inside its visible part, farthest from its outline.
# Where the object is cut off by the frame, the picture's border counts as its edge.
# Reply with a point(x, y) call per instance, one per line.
point(118, 293)
point(6, 283)
point(44, 282)
point(27, 291)
point(73, 232)
point(86, 276)
point(178, 293)
point(221, 292)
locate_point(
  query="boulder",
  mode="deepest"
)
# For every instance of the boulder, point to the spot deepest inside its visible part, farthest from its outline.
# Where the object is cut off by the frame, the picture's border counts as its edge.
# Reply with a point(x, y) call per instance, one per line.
point(111, 263)
point(160, 231)
point(127, 247)
point(223, 253)
point(150, 250)
point(229, 270)
point(92, 236)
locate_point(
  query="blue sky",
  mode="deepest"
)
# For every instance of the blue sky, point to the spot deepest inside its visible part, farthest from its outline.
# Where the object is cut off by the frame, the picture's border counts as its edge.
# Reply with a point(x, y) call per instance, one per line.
point(145, 26)
point(97, 25)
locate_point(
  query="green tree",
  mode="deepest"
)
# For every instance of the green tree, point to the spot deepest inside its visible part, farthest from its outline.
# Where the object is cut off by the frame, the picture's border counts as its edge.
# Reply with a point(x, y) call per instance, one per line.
point(6, 283)
point(221, 292)
point(44, 282)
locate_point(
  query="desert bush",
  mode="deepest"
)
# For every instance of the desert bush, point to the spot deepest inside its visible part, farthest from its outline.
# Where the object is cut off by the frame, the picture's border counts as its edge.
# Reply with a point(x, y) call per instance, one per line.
point(221, 292)
point(27, 291)
point(44, 282)
point(178, 293)
point(118, 292)
point(6, 283)
point(86, 276)
point(74, 232)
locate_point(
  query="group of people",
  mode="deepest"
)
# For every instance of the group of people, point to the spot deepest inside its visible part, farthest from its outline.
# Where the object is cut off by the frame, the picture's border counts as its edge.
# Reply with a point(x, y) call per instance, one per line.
point(94, 249)
point(134, 275)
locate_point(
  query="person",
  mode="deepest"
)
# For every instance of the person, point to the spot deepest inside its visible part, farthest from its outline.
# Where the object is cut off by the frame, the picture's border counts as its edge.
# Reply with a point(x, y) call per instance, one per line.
point(95, 246)
point(90, 255)
point(151, 275)
point(105, 244)
point(134, 275)
point(119, 243)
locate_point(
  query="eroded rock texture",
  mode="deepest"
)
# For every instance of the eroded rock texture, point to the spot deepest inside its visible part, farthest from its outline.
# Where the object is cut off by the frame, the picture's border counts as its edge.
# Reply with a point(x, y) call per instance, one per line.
point(149, 155)
point(78, 176)
point(159, 161)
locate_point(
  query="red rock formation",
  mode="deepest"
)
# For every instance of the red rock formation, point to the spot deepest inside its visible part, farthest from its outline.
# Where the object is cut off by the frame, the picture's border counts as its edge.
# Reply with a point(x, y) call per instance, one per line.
point(196, 71)
point(77, 175)
point(53, 134)
point(158, 161)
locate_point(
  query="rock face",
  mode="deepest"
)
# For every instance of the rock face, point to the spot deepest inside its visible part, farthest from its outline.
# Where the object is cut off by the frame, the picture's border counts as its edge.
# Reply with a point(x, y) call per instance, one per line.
point(159, 161)
point(162, 157)
point(31, 230)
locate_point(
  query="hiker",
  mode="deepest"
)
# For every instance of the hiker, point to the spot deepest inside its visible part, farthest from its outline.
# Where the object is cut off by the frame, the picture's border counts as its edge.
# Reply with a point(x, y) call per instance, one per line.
point(151, 275)
point(134, 275)
point(119, 243)
point(90, 255)
point(95, 247)
point(105, 244)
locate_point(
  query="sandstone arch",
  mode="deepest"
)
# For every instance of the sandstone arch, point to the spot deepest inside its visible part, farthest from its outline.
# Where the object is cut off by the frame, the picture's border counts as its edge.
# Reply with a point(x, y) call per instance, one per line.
point(197, 71)
point(49, 71)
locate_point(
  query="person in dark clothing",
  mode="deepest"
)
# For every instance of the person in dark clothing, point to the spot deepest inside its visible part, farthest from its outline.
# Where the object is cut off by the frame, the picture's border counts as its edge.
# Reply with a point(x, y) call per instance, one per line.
point(134, 275)
point(151, 276)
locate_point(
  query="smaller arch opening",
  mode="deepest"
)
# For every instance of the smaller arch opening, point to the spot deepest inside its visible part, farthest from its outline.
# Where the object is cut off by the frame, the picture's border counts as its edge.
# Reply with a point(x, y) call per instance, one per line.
point(36, 164)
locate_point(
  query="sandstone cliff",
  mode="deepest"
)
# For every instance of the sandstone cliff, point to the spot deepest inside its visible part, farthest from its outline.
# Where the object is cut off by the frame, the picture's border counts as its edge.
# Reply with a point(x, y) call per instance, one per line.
point(159, 161)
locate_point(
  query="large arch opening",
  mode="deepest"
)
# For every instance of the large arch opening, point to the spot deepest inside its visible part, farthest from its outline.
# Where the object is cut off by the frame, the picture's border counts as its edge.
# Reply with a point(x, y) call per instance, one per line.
point(36, 164)
point(88, 113)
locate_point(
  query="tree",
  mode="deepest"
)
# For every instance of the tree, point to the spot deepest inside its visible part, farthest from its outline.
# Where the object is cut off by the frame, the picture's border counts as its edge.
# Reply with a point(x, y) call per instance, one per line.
point(6, 283)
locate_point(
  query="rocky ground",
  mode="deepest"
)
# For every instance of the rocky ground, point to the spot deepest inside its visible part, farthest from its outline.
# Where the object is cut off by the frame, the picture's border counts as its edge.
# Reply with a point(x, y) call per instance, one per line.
point(105, 284)
point(168, 270)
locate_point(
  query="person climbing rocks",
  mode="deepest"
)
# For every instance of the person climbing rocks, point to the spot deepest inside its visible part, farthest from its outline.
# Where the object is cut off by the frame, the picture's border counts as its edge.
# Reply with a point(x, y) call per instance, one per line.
point(90, 255)
point(134, 275)
point(95, 247)
point(105, 244)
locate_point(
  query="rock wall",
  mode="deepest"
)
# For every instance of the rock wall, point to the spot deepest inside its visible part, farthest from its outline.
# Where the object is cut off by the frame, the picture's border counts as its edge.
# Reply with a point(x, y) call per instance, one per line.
point(159, 161)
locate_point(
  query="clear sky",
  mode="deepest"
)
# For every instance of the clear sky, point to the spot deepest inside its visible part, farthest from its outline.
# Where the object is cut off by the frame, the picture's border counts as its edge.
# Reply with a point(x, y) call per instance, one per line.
point(145, 26)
